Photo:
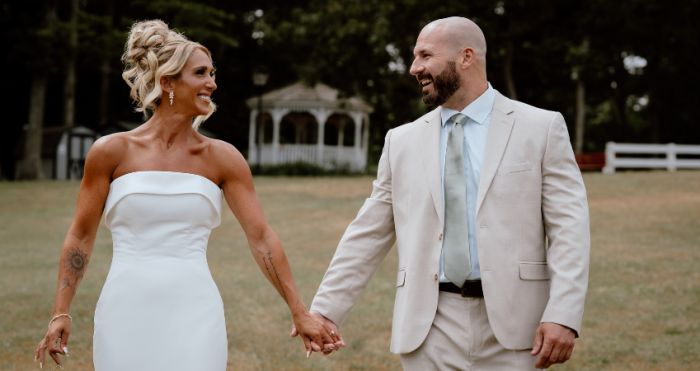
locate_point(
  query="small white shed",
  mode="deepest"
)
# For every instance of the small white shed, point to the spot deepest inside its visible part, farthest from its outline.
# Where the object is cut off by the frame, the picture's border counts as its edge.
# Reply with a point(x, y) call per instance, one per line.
point(63, 152)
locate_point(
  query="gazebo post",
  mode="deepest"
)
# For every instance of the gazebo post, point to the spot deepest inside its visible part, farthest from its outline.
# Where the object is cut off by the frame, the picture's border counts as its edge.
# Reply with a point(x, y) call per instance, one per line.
point(341, 137)
point(365, 140)
point(357, 119)
point(321, 115)
point(275, 139)
point(252, 158)
point(261, 138)
point(277, 114)
point(319, 142)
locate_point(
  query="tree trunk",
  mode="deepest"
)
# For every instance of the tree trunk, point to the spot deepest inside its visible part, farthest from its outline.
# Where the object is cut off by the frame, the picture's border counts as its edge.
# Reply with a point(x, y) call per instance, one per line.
point(508, 71)
point(31, 167)
point(580, 114)
point(105, 71)
point(580, 102)
point(619, 110)
point(69, 89)
point(652, 107)
point(655, 132)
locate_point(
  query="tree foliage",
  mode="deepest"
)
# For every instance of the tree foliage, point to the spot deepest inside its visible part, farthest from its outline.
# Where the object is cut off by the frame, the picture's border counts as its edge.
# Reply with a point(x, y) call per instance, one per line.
point(637, 70)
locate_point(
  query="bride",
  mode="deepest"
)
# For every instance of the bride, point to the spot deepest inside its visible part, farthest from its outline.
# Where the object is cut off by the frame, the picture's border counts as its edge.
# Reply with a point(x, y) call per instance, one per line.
point(160, 187)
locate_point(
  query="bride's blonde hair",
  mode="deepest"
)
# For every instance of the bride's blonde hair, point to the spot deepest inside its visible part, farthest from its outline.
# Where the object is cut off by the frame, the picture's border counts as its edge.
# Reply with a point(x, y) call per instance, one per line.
point(152, 51)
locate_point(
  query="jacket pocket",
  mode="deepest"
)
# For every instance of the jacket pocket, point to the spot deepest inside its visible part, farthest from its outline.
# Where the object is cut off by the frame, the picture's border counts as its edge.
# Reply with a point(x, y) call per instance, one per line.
point(401, 277)
point(534, 271)
point(517, 168)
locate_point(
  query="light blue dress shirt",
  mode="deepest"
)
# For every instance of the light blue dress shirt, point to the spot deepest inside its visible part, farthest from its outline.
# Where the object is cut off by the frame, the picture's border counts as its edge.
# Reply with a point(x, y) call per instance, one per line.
point(476, 130)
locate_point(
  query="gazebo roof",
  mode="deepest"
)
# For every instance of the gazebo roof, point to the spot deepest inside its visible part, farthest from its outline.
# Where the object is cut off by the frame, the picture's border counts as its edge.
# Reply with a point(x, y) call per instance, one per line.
point(301, 96)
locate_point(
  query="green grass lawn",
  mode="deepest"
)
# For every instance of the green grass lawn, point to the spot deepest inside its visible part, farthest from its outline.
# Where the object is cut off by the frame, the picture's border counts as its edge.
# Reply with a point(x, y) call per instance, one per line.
point(642, 310)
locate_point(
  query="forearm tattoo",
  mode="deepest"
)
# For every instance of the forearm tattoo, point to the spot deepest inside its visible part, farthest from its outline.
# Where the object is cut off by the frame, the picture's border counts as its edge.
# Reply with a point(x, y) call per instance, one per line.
point(278, 283)
point(75, 263)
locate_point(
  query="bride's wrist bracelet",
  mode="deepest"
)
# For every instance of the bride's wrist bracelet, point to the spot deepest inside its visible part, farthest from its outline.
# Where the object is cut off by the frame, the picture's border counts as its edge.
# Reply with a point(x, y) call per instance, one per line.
point(59, 316)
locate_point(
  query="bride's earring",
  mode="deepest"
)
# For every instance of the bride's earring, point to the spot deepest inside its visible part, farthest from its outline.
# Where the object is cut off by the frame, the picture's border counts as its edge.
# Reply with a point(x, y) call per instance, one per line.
point(171, 95)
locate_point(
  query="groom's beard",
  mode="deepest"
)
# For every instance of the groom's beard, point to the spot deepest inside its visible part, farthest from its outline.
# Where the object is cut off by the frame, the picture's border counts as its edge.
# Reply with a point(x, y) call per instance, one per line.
point(445, 85)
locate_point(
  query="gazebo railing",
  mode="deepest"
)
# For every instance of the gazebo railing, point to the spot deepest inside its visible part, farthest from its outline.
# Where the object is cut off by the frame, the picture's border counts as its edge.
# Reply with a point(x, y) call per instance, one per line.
point(332, 155)
point(297, 153)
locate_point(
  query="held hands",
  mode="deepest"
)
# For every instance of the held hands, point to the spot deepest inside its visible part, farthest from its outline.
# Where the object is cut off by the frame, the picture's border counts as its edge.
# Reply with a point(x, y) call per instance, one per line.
point(328, 346)
point(58, 329)
point(554, 343)
point(314, 331)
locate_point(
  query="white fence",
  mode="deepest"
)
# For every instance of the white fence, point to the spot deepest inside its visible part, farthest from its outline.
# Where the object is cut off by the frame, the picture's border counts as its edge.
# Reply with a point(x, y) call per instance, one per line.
point(671, 162)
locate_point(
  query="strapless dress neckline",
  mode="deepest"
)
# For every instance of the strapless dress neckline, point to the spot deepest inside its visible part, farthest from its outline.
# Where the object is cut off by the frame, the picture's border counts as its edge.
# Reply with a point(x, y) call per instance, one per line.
point(163, 172)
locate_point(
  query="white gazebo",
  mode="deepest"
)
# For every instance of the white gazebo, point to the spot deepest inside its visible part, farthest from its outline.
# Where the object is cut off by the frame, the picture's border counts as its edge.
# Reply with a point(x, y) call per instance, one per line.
point(298, 117)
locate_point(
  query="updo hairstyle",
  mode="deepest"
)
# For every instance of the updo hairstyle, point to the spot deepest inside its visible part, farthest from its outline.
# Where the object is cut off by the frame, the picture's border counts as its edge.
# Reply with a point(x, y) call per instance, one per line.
point(152, 51)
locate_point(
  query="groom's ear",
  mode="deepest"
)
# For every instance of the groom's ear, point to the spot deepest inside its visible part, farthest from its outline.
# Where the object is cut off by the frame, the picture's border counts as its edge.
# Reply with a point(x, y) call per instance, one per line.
point(467, 57)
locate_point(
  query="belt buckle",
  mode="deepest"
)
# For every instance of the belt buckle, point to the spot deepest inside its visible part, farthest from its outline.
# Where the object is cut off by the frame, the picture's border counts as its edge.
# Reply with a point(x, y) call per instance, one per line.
point(462, 289)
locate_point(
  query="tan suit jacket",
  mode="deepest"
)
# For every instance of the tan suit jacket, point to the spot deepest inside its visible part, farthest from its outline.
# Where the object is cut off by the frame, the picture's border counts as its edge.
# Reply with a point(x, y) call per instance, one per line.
point(532, 229)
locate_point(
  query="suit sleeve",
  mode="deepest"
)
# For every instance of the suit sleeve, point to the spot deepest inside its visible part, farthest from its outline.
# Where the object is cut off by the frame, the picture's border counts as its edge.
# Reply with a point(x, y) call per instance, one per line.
point(566, 221)
point(364, 245)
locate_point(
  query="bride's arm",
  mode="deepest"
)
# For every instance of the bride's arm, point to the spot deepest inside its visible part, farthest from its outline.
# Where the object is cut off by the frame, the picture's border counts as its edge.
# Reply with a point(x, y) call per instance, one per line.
point(77, 247)
point(239, 191)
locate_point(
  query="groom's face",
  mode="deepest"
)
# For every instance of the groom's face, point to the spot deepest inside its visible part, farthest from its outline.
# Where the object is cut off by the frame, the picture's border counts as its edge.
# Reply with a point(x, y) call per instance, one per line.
point(441, 87)
point(435, 71)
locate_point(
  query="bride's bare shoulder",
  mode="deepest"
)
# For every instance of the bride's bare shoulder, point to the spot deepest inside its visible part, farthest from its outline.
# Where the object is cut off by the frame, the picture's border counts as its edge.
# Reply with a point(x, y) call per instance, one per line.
point(225, 152)
point(228, 158)
point(109, 150)
point(112, 143)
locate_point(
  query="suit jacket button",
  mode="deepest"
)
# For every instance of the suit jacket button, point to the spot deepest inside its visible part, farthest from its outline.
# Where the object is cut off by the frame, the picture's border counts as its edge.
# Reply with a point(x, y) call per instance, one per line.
point(440, 238)
point(435, 277)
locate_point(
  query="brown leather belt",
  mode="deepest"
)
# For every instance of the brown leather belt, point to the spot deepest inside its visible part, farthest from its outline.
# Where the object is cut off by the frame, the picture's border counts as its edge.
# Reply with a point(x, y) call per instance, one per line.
point(471, 289)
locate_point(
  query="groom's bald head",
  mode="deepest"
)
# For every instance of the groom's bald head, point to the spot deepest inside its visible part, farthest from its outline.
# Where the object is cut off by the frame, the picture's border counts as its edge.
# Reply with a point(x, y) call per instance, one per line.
point(450, 62)
point(458, 33)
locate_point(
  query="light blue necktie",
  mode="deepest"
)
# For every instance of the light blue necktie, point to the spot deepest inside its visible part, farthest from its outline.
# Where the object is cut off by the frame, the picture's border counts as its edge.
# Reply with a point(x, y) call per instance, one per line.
point(457, 259)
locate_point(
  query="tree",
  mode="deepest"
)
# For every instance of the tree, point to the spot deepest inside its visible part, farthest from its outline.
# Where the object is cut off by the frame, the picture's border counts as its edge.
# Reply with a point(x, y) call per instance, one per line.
point(365, 48)
point(32, 168)
point(106, 66)
point(69, 86)
point(580, 122)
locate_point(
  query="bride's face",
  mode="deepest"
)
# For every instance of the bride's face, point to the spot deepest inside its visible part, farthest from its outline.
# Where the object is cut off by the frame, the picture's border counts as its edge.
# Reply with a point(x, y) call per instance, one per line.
point(195, 85)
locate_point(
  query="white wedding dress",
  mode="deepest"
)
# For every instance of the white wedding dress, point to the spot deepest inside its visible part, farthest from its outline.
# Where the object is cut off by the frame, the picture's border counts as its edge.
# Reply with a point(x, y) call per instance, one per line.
point(160, 308)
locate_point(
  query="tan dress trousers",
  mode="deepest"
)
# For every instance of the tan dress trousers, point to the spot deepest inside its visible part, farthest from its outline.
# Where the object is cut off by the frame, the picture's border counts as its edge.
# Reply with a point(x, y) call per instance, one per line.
point(461, 339)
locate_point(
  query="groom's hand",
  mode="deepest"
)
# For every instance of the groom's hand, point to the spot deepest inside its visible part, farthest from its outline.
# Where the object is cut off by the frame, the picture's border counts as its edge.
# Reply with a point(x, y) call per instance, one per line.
point(333, 327)
point(554, 343)
point(327, 348)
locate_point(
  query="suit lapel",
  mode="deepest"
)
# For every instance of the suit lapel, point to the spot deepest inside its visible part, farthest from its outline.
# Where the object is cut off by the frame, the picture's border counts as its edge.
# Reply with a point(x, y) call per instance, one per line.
point(430, 151)
point(499, 132)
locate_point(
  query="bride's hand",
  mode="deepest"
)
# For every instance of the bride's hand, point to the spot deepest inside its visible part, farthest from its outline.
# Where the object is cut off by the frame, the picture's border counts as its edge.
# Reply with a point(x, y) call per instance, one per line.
point(59, 329)
point(312, 329)
point(334, 330)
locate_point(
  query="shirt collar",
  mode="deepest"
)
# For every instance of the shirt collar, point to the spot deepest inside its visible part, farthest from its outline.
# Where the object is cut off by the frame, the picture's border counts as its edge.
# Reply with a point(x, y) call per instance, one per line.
point(478, 110)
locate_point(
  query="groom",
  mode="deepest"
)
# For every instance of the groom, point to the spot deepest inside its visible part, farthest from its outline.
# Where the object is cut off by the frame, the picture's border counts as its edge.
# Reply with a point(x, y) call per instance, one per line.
point(489, 211)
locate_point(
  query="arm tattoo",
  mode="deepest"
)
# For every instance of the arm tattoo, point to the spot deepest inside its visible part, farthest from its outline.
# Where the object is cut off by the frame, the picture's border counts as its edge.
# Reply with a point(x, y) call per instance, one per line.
point(279, 281)
point(75, 263)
